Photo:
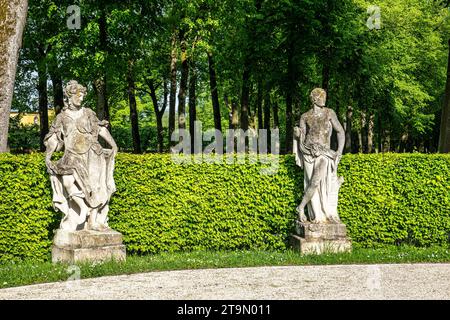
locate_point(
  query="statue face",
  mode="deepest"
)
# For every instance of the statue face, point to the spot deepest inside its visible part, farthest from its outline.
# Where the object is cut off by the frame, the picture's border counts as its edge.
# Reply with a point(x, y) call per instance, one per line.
point(320, 99)
point(77, 98)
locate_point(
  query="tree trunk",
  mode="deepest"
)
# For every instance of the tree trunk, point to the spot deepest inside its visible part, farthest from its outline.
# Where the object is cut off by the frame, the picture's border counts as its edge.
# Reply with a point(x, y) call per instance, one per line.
point(133, 109)
point(326, 74)
point(234, 114)
point(276, 122)
point(102, 100)
point(43, 101)
point(192, 104)
point(259, 107)
point(100, 82)
point(327, 54)
point(348, 130)
point(159, 112)
point(183, 85)
point(58, 93)
point(289, 93)
point(173, 87)
point(403, 144)
point(160, 133)
point(370, 126)
point(334, 137)
point(380, 132)
point(230, 114)
point(266, 122)
point(162, 111)
point(214, 93)
point(13, 14)
point(387, 141)
point(245, 96)
point(363, 139)
point(360, 141)
point(444, 137)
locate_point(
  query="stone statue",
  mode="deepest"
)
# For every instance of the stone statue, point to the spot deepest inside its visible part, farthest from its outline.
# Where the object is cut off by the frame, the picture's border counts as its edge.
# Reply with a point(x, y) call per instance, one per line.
point(313, 153)
point(82, 180)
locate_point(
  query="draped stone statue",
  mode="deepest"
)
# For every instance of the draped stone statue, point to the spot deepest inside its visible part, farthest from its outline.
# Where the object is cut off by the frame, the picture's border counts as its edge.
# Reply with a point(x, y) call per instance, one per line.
point(82, 180)
point(320, 229)
point(314, 154)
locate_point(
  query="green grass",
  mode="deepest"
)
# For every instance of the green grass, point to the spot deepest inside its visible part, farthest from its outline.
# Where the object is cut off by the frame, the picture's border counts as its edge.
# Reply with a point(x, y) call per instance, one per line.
point(28, 272)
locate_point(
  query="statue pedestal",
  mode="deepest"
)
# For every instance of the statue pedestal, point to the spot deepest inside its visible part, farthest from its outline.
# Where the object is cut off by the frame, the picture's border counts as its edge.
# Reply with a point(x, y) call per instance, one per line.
point(87, 246)
point(317, 238)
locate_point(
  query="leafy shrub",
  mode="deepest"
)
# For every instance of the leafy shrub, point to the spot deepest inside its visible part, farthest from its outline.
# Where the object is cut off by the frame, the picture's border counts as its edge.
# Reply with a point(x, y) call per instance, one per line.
point(396, 198)
point(26, 214)
point(163, 206)
point(22, 138)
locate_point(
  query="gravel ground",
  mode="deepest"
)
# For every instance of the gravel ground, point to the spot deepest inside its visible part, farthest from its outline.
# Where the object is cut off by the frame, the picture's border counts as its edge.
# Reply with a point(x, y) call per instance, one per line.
point(387, 281)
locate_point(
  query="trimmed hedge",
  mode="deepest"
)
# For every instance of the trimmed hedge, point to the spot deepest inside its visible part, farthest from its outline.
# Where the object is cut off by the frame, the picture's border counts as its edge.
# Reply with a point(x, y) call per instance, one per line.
point(26, 214)
point(396, 198)
point(162, 206)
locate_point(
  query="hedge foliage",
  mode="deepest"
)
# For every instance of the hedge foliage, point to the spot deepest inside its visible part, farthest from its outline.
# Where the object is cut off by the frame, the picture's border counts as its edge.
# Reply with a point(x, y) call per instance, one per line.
point(26, 214)
point(163, 206)
point(396, 198)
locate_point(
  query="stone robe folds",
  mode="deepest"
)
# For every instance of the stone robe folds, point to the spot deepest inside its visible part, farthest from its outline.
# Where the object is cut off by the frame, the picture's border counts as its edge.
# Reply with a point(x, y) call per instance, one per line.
point(91, 165)
point(324, 202)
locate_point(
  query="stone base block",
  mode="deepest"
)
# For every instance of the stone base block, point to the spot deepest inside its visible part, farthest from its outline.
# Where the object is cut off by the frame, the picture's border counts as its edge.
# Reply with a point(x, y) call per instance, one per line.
point(319, 246)
point(87, 246)
point(320, 238)
point(325, 231)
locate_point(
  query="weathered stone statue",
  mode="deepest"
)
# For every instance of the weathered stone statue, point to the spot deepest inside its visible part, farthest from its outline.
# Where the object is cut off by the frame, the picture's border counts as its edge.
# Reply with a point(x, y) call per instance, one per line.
point(82, 180)
point(313, 153)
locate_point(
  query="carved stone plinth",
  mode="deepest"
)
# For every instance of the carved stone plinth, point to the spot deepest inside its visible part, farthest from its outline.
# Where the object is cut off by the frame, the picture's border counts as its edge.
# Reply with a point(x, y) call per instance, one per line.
point(87, 246)
point(317, 238)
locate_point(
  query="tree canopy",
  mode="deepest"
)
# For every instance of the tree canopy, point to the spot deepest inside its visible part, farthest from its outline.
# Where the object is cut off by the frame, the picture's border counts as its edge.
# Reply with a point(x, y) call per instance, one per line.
point(154, 66)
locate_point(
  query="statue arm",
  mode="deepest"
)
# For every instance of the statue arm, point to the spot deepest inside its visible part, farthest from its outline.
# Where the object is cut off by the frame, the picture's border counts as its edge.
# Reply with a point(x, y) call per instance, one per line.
point(104, 133)
point(302, 135)
point(339, 130)
point(53, 142)
point(51, 145)
point(302, 130)
point(102, 127)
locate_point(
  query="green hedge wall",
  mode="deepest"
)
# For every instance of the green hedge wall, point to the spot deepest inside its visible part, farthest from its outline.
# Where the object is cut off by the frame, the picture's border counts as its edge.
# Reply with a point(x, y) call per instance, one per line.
point(162, 206)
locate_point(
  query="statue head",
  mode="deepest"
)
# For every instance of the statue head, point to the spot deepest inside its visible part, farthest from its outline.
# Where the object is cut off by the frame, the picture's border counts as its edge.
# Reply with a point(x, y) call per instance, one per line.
point(318, 97)
point(74, 94)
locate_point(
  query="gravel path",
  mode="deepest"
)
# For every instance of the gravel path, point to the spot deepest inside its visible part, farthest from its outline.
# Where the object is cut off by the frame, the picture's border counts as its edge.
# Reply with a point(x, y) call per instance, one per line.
point(387, 281)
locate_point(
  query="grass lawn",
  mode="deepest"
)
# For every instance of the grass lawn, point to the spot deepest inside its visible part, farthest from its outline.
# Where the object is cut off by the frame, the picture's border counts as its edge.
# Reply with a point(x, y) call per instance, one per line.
point(30, 272)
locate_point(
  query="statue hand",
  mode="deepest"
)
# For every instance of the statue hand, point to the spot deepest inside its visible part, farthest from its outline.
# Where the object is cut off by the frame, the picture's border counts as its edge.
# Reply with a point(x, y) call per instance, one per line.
point(337, 158)
point(104, 123)
point(297, 132)
point(50, 167)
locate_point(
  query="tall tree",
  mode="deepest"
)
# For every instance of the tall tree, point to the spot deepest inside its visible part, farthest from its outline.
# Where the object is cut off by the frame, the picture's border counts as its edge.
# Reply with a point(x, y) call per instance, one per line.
point(245, 95)
point(290, 91)
point(183, 83)
point(173, 86)
point(266, 121)
point(43, 96)
point(13, 15)
point(134, 118)
point(259, 102)
point(444, 137)
point(214, 93)
point(100, 81)
point(276, 121)
point(348, 129)
point(58, 93)
point(159, 111)
point(192, 101)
